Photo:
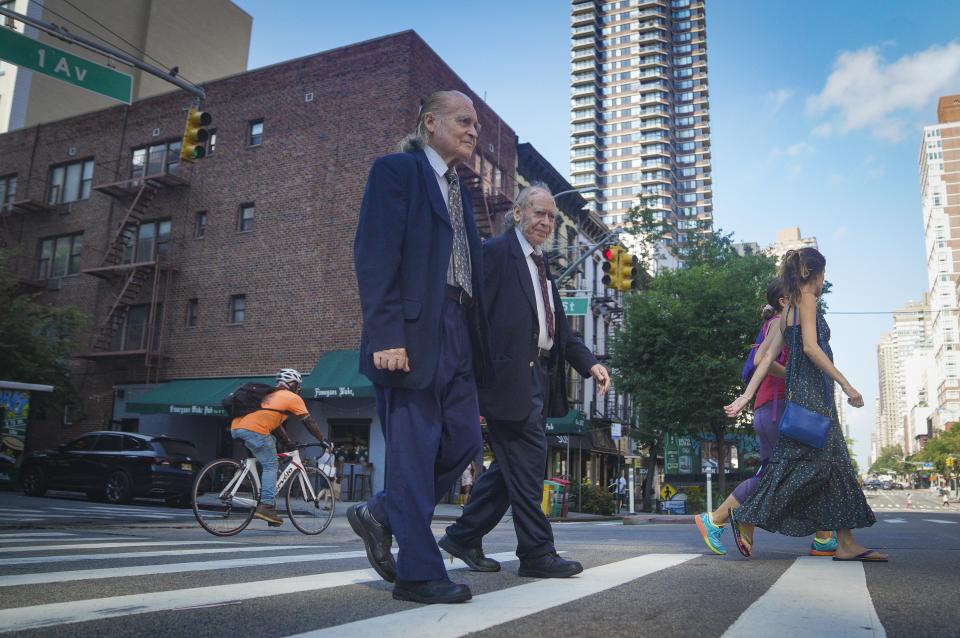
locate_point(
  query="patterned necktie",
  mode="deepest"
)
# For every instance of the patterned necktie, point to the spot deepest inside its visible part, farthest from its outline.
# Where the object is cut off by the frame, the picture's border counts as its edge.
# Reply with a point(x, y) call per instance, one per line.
point(544, 291)
point(460, 259)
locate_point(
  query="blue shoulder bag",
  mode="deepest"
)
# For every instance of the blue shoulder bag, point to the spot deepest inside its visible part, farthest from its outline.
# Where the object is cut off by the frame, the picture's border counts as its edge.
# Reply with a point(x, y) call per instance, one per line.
point(799, 423)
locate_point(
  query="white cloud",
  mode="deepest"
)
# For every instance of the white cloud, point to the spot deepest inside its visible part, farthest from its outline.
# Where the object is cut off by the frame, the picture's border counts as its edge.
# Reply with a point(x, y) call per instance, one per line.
point(795, 150)
point(822, 130)
point(868, 92)
point(779, 98)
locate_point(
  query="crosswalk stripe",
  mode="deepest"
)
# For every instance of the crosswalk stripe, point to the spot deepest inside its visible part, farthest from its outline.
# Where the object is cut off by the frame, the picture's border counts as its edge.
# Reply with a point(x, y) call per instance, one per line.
point(20, 550)
point(495, 608)
point(171, 568)
point(894, 520)
point(67, 558)
point(940, 520)
point(813, 598)
point(11, 541)
point(47, 615)
point(16, 510)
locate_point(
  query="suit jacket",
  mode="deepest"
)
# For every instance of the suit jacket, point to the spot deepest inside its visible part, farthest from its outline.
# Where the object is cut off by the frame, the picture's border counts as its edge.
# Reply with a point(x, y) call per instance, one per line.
point(401, 255)
point(514, 334)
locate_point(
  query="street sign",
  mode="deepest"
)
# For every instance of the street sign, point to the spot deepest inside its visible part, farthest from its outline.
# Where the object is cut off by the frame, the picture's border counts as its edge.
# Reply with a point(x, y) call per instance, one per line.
point(575, 306)
point(32, 54)
point(667, 492)
point(710, 466)
point(616, 430)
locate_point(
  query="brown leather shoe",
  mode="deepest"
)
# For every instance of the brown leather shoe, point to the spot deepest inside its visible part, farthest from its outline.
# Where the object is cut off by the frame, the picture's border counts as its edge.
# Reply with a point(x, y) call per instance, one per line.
point(268, 513)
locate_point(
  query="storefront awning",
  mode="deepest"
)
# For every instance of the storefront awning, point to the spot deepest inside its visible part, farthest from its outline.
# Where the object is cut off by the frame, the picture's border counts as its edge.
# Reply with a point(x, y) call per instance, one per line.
point(197, 397)
point(575, 422)
point(337, 375)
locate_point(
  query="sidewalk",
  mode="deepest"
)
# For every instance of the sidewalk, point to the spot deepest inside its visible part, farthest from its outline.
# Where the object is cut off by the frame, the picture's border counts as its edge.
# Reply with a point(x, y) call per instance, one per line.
point(450, 512)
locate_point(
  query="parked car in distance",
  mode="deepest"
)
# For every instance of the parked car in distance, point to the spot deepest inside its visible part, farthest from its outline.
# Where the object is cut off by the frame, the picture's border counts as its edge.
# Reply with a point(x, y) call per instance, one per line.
point(115, 467)
point(872, 484)
point(887, 485)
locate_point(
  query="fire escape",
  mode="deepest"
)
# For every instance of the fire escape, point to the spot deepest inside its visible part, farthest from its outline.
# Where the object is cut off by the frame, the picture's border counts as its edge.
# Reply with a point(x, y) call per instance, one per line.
point(134, 279)
point(490, 200)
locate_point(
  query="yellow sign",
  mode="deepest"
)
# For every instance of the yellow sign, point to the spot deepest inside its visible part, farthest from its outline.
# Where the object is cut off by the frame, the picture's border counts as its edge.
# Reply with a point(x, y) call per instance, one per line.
point(667, 492)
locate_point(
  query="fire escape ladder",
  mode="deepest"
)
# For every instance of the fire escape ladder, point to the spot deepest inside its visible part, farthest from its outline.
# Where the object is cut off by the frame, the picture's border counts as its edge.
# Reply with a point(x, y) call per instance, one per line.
point(158, 310)
point(132, 286)
point(127, 229)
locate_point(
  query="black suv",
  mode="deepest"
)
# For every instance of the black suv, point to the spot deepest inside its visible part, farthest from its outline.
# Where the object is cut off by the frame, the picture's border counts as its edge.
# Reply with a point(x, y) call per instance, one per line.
point(115, 466)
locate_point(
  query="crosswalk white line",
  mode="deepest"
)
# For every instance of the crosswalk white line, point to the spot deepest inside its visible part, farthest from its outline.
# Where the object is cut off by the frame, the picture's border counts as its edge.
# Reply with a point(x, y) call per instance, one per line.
point(47, 615)
point(894, 520)
point(489, 610)
point(68, 558)
point(12, 541)
point(171, 568)
point(813, 598)
point(44, 548)
point(27, 534)
point(940, 521)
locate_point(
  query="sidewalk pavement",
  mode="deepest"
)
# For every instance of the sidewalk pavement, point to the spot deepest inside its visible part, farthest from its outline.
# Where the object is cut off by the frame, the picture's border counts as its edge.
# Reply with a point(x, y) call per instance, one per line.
point(450, 512)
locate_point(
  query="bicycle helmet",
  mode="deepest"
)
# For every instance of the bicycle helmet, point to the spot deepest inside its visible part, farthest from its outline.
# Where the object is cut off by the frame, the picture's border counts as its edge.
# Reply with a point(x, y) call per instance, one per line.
point(288, 376)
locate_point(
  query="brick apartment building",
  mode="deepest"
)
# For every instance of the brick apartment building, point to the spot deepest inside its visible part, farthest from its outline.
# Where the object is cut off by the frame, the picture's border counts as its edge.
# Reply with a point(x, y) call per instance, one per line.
point(201, 276)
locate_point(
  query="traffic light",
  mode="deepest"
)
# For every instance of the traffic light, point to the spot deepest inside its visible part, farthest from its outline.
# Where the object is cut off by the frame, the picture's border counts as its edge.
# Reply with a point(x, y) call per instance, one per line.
point(194, 135)
point(627, 268)
point(611, 262)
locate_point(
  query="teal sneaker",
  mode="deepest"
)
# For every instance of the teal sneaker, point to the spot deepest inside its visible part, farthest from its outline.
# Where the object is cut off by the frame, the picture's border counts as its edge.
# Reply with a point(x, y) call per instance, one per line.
point(824, 548)
point(710, 533)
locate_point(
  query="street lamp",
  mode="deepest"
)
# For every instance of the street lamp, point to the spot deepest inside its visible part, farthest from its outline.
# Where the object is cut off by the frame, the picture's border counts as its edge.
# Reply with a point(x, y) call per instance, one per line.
point(576, 190)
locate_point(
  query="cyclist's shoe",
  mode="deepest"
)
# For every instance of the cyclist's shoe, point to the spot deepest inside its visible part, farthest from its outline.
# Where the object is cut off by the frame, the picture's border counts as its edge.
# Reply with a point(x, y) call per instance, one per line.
point(473, 557)
point(268, 513)
point(431, 591)
point(377, 539)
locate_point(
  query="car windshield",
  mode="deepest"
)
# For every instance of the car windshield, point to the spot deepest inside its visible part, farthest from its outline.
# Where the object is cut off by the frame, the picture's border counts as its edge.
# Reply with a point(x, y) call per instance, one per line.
point(173, 446)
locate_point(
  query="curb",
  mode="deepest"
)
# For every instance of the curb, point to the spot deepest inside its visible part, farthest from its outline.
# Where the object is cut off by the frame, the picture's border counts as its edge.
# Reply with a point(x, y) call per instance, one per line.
point(681, 519)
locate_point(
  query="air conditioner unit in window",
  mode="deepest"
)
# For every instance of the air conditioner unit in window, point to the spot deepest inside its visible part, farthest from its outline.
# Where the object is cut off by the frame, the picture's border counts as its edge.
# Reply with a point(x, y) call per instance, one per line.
point(55, 284)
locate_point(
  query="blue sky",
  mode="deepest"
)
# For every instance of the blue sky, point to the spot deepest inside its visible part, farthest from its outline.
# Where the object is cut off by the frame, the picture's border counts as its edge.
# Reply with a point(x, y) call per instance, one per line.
point(816, 113)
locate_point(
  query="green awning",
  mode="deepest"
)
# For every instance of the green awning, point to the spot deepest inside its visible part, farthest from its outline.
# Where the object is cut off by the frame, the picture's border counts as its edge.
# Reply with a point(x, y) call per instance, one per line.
point(337, 375)
point(575, 422)
point(197, 397)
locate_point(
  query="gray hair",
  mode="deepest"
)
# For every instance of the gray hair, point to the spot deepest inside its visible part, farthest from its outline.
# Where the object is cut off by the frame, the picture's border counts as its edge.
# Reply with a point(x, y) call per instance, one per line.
point(523, 198)
point(439, 104)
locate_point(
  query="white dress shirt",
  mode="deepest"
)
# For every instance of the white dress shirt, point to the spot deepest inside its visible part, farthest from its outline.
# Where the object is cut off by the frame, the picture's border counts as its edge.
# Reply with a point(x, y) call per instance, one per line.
point(545, 342)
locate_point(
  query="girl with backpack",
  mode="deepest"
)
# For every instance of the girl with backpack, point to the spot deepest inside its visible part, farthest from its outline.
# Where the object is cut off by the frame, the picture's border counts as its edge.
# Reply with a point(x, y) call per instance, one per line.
point(767, 409)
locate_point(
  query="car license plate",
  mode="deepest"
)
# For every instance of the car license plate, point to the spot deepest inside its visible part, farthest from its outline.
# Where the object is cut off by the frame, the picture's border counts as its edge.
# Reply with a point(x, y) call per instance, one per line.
point(186, 466)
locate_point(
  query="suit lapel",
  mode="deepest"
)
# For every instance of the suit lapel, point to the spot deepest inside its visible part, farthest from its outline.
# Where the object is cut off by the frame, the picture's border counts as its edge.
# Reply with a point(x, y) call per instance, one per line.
point(433, 188)
point(522, 270)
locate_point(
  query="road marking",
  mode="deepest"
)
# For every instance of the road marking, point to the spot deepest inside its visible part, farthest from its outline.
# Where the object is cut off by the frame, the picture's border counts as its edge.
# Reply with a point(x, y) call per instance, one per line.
point(26, 534)
point(120, 510)
point(813, 598)
point(43, 548)
point(23, 618)
point(68, 558)
point(10, 541)
point(489, 610)
point(171, 568)
point(940, 520)
point(894, 520)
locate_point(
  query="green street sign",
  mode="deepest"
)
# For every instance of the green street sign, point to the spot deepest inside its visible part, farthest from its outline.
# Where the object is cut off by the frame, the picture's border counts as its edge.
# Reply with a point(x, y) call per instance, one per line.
point(28, 53)
point(575, 306)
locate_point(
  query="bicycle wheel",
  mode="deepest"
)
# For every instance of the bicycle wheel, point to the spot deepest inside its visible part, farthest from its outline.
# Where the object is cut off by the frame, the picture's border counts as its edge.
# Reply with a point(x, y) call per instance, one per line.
point(223, 500)
point(310, 515)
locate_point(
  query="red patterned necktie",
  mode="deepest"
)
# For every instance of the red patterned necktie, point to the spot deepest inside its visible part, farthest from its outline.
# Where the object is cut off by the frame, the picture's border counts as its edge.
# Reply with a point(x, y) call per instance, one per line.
point(544, 290)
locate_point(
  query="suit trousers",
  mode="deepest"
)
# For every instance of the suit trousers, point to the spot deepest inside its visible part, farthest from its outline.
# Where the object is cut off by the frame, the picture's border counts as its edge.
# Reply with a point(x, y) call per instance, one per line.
point(515, 479)
point(431, 436)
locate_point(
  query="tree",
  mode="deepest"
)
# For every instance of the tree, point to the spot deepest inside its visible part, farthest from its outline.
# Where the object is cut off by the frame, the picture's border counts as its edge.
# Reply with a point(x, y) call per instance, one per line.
point(853, 458)
point(36, 340)
point(683, 340)
point(938, 448)
point(889, 461)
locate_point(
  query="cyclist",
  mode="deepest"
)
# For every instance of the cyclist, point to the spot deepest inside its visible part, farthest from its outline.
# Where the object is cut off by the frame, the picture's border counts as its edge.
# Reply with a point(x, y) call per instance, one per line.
point(255, 430)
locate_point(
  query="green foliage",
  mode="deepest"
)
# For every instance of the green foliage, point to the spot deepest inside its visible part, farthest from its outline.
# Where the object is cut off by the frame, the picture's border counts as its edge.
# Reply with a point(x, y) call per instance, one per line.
point(36, 340)
point(597, 500)
point(853, 459)
point(890, 460)
point(938, 448)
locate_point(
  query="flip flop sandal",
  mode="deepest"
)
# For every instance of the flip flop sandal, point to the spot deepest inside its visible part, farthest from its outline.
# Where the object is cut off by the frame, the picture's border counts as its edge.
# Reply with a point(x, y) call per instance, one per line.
point(869, 556)
point(744, 544)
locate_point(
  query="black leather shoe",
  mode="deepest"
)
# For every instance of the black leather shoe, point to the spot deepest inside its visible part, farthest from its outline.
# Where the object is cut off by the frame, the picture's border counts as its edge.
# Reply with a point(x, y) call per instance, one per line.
point(376, 538)
point(549, 566)
point(430, 592)
point(474, 558)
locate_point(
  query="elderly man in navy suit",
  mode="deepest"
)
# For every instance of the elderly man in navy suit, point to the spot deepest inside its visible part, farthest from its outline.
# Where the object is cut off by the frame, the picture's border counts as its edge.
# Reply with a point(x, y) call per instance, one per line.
point(418, 261)
point(531, 344)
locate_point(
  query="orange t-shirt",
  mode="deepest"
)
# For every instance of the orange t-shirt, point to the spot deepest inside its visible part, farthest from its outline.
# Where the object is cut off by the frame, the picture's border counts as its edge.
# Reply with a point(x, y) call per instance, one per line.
point(266, 421)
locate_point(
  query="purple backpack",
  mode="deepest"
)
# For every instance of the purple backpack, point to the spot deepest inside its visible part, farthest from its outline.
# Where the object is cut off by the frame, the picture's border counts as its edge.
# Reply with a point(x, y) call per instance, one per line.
point(749, 366)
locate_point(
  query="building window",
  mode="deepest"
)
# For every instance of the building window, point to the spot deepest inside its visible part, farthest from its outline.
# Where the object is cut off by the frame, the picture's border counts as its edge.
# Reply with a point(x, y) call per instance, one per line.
point(8, 190)
point(238, 308)
point(70, 182)
point(133, 334)
point(152, 242)
point(193, 308)
point(255, 134)
point(200, 225)
point(59, 256)
point(156, 159)
point(212, 142)
point(245, 218)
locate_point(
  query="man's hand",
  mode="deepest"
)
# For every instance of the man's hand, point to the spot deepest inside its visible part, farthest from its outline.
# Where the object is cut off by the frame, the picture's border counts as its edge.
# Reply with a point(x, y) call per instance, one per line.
point(393, 359)
point(602, 377)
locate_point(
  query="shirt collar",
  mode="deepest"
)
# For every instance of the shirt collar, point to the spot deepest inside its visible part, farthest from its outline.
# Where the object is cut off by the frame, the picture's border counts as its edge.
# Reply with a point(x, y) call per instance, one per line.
point(439, 166)
point(524, 244)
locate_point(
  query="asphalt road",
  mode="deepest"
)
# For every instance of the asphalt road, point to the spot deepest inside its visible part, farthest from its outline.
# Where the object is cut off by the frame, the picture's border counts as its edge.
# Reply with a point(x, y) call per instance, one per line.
point(120, 573)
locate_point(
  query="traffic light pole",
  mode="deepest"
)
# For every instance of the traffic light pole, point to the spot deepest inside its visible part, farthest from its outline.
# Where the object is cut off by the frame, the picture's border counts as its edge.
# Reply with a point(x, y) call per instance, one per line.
point(107, 50)
point(573, 267)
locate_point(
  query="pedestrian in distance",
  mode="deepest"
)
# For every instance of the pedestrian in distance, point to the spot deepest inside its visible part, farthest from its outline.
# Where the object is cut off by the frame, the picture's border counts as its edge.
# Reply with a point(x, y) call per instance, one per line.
point(466, 482)
point(423, 345)
point(621, 489)
point(806, 488)
point(531, 345)
point(768, 407)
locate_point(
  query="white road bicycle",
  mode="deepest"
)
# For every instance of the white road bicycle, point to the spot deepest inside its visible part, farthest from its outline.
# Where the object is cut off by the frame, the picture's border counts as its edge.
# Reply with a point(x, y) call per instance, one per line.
point(226, 493)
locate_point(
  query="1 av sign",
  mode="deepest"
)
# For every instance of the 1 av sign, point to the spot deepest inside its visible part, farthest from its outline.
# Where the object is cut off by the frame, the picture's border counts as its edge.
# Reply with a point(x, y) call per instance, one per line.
point(28, 53)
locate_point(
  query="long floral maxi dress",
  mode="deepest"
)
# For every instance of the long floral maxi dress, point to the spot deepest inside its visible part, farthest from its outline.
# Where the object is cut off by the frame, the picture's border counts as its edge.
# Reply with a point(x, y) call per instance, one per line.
point(806, 489)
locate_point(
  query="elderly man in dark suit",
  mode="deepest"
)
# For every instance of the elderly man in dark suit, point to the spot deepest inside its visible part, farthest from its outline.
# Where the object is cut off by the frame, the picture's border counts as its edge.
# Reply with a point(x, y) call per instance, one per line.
point(531, 344)
point(418, 261)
